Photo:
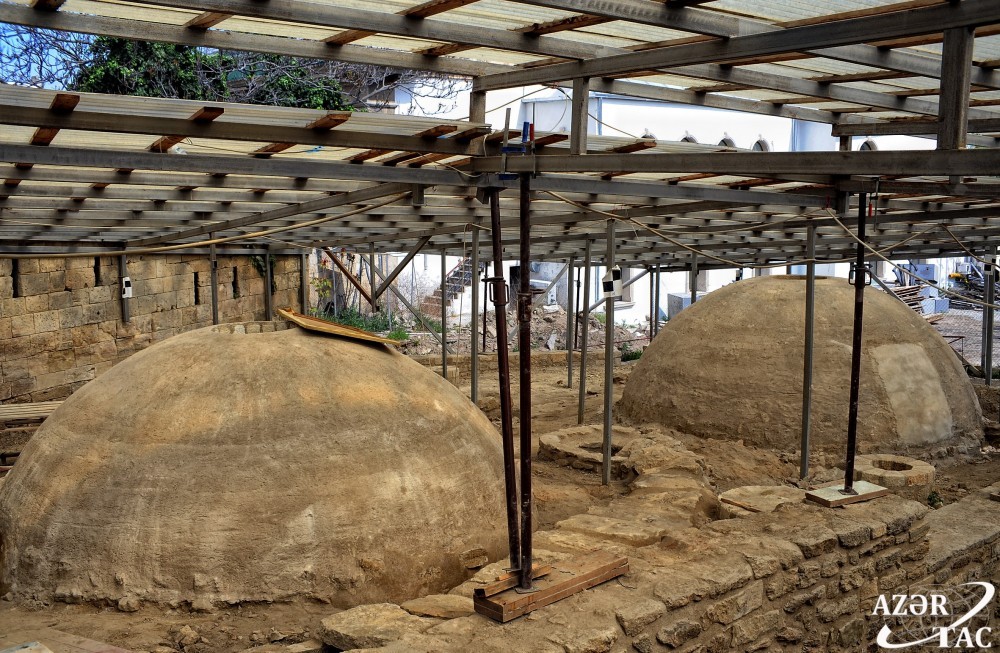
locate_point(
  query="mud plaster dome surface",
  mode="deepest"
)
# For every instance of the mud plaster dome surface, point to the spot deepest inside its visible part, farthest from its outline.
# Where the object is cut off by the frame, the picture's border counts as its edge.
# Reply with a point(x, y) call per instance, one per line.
point(730, 367)
point(231, 467)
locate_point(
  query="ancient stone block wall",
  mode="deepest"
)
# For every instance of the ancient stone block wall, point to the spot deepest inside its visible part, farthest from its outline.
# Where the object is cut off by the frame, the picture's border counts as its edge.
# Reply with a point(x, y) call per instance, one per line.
point(60, 319)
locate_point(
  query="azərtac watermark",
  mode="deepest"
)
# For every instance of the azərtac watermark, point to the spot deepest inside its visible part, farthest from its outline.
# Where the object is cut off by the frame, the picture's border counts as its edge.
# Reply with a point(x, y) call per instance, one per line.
point(943, 616)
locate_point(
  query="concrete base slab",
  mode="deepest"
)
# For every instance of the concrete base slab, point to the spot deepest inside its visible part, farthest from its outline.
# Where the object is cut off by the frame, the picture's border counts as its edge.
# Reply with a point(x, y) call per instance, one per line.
point(831, 496)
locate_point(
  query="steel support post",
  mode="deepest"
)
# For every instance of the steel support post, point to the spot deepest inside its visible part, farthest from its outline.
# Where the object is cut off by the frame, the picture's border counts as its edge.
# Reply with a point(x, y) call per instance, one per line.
point(474, 345)
point(807, 358)
point(268, 289)
point(657, 329)
point(988, 316)
point(694, 277)
point(609, 358)
point(498, 292)
point(524, 357)
point(579, 117)
point(214, 274)
point(304, 283)
point(371, 278)
point(584, 318)
point(860, 279)
point(444, 314)
point(570, 324)
point(122, 273)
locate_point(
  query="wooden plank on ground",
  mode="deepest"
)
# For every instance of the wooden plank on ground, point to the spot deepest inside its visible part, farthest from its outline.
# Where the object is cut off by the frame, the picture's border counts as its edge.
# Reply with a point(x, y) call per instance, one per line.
point(509, 580)
point(567, 578)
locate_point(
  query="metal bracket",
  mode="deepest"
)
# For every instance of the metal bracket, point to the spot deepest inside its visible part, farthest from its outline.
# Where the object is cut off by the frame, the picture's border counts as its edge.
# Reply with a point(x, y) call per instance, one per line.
point(497, 290)
point(866, 275)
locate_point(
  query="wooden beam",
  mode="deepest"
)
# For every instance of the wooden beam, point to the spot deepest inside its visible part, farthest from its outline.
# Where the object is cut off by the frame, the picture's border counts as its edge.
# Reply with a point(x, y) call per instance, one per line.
point(953, 109)
point(207, 19)
point(223, 40)
point(942, 162)
point(202, 116)
point(364, 195)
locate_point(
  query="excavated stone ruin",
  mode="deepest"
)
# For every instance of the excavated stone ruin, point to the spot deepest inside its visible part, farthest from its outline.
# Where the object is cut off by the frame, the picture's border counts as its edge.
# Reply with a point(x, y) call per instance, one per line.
point(220, 466)
point(730, 367)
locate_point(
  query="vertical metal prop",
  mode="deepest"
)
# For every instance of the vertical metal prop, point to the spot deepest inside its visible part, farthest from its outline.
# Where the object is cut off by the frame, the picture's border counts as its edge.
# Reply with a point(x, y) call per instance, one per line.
point(122, 273)
point(859, 309)
point(652, 296)
point(214, 274)
point(570, 324)
point(475, 315)
point(989, 275)
point(807, 365)
point(524, 357)
point(609, 359)
point(694, 277)
point(371, 277)
point(498, 291)
point(584, 317)
point(304, 282)
point(268, 288)
point(657, 329)
point(444, 314)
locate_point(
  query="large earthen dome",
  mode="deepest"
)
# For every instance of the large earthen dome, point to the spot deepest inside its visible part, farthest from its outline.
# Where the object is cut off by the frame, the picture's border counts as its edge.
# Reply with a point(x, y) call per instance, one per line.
point(222, 466)
point(730, 367)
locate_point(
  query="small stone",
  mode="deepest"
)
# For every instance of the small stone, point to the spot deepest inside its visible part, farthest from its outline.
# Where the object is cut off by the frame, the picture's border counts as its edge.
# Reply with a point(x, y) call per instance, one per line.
point(742, 603)
point(370, 626)
point(202, 604)
point(789, 635)
point(444, 606)
point(678, 632)
point(643, 643)
point(9, 596)
point(636, 616)
point(589, 641)
point(474, 558)
point(129, 604)
point(275, 635)
point(187, 636)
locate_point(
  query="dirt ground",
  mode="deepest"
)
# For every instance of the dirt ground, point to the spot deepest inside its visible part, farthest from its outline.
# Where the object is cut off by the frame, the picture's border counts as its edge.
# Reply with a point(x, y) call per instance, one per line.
point(560, 492)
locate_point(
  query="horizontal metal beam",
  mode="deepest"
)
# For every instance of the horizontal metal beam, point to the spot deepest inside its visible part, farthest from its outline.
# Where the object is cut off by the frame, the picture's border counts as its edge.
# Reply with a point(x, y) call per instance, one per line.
point(919, 21)
point(715, 23)
point(909, 127)
point(217, 38)
point(134, 122)
point(389, 23)
point(918, 162)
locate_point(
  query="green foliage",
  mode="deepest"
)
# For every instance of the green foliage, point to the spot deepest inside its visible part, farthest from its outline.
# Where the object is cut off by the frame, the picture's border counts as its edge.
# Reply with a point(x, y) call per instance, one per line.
point(399, 333)
point(352, 317)
point(125, 67)
point(435, 325)
point(601, 317)
point(934, 500)
point(630, 353)
point(259, 264)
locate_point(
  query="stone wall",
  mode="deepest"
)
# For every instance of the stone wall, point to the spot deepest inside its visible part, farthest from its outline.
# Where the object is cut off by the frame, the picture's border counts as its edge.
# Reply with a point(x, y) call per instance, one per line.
point(800, 578)
point(60, 319)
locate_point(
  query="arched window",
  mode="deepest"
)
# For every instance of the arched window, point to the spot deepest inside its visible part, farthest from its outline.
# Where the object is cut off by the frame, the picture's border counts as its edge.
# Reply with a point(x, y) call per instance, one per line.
point(727, 142)
point(761, 146)
point(688, 138)
point(868, 146)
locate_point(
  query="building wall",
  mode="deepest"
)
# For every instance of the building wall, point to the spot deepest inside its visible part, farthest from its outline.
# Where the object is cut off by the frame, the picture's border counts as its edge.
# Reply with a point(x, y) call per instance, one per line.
point(60, 319)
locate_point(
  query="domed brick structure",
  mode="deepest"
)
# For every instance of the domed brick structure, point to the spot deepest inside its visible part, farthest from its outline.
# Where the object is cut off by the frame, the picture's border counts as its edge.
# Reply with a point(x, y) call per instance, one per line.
point(223, 466)
point(730, 367)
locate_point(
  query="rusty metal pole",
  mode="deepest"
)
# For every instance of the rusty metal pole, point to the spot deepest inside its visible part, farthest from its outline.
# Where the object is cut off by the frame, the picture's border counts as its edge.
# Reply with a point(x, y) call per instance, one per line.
point(524, 357)
point(498, 292)
point(570, 324)
point(609, 360)
point(860, 277)
point(584, 336)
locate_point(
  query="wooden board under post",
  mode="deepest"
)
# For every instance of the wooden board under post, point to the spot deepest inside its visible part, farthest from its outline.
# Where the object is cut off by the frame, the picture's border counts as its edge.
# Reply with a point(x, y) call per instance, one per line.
point(831, 497)
point(566, 578)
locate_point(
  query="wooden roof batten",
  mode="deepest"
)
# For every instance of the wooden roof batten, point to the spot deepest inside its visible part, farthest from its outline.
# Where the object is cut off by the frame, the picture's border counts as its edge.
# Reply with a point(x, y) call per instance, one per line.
point(854, 70)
